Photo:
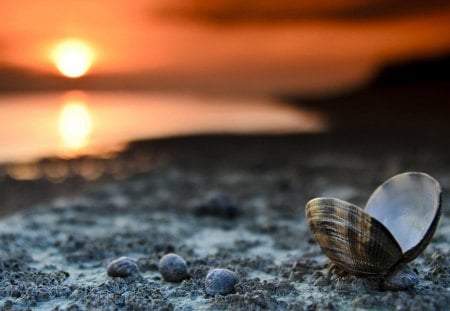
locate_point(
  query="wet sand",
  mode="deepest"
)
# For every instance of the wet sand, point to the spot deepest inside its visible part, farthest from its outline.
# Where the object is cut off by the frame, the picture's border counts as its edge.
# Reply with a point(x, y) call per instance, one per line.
point(55, 253)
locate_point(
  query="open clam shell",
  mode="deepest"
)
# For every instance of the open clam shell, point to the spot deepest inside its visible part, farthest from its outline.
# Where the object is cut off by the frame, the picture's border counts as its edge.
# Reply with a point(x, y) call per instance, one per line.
point(398, 222)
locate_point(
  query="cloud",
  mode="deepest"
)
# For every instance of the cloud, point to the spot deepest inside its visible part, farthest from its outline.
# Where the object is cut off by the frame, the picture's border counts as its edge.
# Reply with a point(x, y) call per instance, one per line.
point(265, 11)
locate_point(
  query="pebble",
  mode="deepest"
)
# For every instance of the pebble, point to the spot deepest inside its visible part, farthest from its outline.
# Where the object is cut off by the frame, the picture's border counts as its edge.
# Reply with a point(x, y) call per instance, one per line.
point(218, 204)
point(173, 268)
point(220, 282)
point(400, 279)
point(122, 267)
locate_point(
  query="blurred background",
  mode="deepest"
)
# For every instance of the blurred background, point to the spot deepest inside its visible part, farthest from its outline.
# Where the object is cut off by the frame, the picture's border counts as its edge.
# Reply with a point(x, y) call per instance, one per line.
point(83, 78)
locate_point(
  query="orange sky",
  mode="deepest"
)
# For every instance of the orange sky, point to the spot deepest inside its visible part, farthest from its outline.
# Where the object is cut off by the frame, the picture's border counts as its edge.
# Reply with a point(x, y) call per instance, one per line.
point(309, 50)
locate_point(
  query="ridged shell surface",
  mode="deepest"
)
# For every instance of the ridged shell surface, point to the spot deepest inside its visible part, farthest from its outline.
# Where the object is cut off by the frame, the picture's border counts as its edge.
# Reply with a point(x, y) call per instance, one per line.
point(351, 238)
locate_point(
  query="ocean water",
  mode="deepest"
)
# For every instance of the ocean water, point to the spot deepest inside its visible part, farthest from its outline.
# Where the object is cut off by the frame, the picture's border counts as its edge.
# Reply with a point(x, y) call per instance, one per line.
point(75, 123)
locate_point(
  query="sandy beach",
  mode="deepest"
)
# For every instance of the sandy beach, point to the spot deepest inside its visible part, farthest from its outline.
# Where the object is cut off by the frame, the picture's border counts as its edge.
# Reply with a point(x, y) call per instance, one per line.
point(54, 254)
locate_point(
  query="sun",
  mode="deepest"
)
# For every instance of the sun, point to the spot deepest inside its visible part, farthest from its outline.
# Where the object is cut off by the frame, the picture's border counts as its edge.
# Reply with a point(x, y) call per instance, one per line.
point(73, 57)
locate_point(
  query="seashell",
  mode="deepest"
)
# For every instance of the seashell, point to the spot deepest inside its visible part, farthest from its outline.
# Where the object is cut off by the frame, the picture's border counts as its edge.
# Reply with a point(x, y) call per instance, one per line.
point(396, 225)
point(122, 267)
point(220, 282)
point(173, 268)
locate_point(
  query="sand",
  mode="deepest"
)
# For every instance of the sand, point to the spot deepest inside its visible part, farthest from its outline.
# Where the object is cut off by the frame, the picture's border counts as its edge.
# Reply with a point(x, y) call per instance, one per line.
point(55, 254)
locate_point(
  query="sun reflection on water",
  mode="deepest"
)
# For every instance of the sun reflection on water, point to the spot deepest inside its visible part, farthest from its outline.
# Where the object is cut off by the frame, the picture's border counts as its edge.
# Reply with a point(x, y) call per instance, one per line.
point(75, 122)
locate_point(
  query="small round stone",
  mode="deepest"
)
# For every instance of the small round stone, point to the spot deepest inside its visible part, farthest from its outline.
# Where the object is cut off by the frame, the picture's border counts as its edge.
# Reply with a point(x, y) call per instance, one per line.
point(173, 268)
point(401, 278)
point(220, 282)
point(122, 267)
point(218, 204)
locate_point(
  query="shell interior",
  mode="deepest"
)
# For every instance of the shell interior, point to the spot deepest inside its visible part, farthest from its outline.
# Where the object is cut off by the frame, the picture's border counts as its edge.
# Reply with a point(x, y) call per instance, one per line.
point(407, 205)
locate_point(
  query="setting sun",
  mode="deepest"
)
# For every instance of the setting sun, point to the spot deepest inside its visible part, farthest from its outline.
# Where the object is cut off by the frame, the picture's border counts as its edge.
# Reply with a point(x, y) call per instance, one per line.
point(73, 57)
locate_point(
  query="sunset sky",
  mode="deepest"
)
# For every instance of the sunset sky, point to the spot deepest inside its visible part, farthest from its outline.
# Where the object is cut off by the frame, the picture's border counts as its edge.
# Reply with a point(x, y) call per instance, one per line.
point(262, 45)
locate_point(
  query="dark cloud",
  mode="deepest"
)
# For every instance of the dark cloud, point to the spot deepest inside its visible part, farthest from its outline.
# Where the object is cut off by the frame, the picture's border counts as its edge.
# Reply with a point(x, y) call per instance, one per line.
point(260, 11)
